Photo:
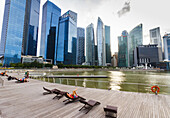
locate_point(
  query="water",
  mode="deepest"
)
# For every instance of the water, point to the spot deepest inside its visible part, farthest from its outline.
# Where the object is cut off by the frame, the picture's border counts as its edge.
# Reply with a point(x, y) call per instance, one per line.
point(122, 81)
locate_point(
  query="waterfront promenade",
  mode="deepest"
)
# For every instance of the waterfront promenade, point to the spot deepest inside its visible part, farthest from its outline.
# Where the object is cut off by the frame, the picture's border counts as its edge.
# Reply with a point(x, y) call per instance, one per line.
point(25, 100)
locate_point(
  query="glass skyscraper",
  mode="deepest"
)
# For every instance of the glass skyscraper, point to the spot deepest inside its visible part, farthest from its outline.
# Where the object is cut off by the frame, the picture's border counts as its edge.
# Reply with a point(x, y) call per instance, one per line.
point(31, 25)
point(107, 45)
point(90, 45)
point(49, 31)
point(12, 31)
point(101, 43)
point(80, 45)
point(135, 39)
point(67, 38)
point(166, 40)
point(123, 49)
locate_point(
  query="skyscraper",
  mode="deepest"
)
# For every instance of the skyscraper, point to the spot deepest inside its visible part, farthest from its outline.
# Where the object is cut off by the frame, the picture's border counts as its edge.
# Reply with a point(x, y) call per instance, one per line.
point(66, 48)
point(166, 40)
point(90, 45)
point(49, 31)
point(135, 39)
point(107, 45)
point(101, 43)
point(155, 38)
point(13, 31)
point(123, 49)
point(80, 45)
point(31, 25)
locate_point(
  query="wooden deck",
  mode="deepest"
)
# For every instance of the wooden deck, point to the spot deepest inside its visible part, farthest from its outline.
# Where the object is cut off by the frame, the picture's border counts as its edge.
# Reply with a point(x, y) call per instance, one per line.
point(25, 100)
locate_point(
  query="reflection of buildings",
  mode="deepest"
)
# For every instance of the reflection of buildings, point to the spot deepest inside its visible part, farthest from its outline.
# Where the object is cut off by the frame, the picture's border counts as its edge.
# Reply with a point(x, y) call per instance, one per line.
point(135, 39)
point(146, 54)
point(80, 46)
point(155, 38)
point(166, 40)
point(101, 43)
point(107, 45)
point(18, 28)
point(67, 38)
point(90, 45)
point(123, 50)
point(49, 31)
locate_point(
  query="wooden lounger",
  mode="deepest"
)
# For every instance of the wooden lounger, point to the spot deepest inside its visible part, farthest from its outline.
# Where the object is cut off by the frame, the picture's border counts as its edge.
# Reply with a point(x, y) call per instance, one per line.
point(59, 94)
point(89, 105)
point(110, 111)
point(70, 100)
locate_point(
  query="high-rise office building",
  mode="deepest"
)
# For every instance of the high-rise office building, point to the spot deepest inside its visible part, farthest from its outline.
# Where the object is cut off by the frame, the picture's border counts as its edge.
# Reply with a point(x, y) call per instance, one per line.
point(66, 48)
point(101, 43)
point(80, 45)
point(123, 49)
point(90, 45)
point(31, 25)
point(166, 40)
point(155, 38)
point(135, 39)
point(49, 31)
point(107, 45)
point(20, 29)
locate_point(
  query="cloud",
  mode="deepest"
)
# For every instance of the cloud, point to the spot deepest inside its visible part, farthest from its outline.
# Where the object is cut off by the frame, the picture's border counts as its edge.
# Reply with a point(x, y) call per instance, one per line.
point(124, 10)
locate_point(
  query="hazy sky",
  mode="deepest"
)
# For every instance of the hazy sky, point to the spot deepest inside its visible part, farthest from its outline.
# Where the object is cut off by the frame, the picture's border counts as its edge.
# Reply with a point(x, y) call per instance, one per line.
point(151, 13)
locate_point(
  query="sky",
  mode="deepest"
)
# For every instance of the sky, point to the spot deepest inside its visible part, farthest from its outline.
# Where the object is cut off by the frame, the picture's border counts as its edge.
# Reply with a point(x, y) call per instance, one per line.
point(118, 14)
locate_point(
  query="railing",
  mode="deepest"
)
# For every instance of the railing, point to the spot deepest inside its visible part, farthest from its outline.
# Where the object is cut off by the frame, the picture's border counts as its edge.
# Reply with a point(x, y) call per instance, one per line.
point(122, 86)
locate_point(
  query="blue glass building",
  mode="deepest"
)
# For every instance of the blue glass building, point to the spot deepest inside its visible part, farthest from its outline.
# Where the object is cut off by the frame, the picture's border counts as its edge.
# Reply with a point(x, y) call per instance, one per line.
point(12, 31)
point(135, 39)
point(31, 25)
point(107, 45)
point(166, 41)
point(80, 45)
point(66, 48)
point(123, 49)
point(49, 31)
point(101, 43)
point(90, 45)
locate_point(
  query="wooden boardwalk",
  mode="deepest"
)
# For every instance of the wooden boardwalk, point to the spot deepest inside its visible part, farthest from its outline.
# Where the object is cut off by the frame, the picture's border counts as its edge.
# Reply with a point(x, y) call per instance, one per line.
point(25, 100)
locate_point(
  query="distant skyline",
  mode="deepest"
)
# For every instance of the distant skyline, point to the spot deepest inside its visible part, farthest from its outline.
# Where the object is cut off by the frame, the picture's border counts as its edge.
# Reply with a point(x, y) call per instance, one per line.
point(118, 14)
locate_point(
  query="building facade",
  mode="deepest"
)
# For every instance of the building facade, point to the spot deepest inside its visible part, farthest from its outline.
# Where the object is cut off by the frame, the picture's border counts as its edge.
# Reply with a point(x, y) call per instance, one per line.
point(101, 43)
point(67, 38)
point(166, 40)
point(49, 31)
point(135, 39)
point(90, 45)
point(146, 55)
point(107, 45)
point(123, 49)
point(80, 46)
point(12, 31)
point(31, 26)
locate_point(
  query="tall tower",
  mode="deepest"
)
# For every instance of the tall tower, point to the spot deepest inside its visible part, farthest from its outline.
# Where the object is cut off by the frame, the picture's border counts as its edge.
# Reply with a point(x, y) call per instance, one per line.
point(107, 45)
point(123, 49)
point(166, 40)
point(135, 39)
point(80, 45)
point(49, 31)
point(67, 38)
point(12, 31)
point(101, 43)
point(90, 45)
point(31, 26)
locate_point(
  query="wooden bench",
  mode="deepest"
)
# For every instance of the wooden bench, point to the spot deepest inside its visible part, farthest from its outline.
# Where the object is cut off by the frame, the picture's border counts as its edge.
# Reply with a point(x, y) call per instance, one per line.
point(110, 111)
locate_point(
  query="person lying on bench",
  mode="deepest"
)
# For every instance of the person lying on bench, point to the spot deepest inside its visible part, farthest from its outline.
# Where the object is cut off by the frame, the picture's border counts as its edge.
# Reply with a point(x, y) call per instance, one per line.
point(22, 80)
point(3, 73)
point(73, 95)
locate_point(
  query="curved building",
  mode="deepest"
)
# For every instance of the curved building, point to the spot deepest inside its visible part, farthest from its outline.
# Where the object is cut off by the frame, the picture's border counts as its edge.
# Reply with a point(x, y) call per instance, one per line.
point(135, 39)
point(101, 43)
